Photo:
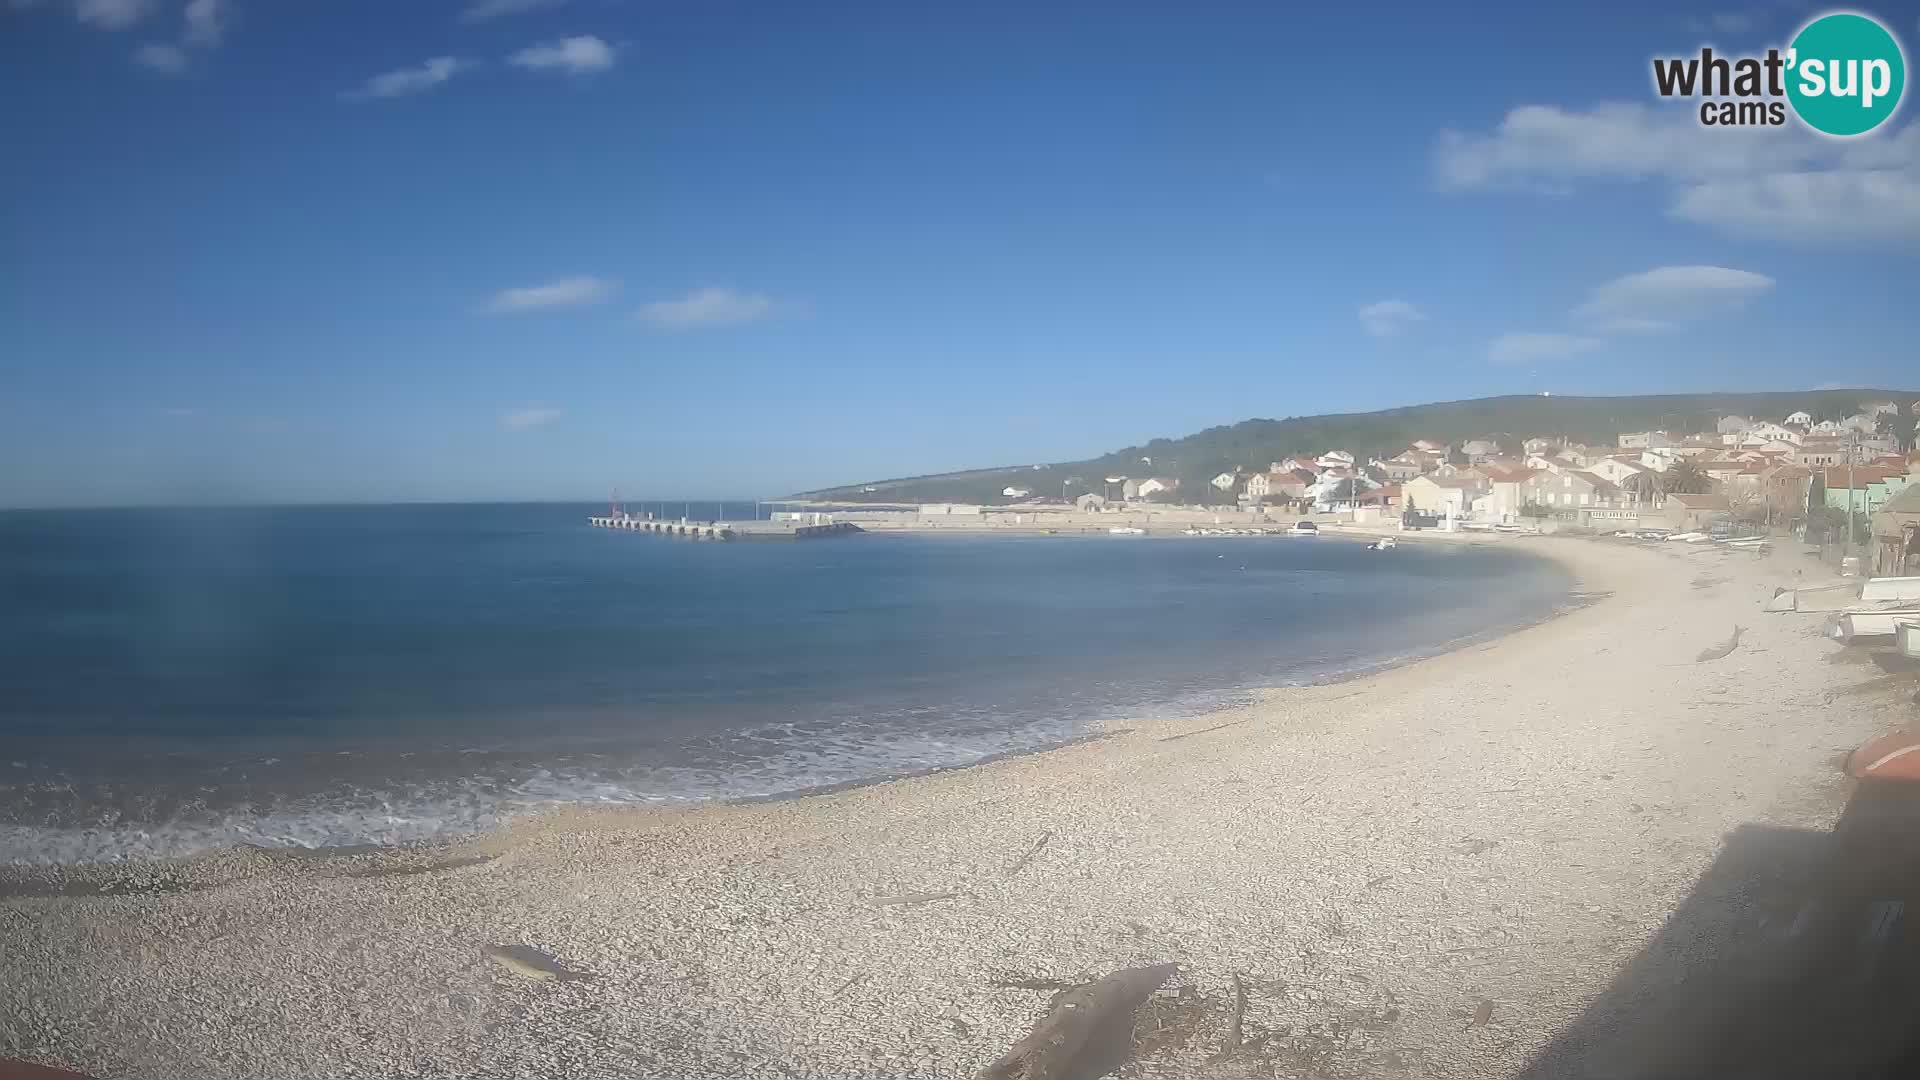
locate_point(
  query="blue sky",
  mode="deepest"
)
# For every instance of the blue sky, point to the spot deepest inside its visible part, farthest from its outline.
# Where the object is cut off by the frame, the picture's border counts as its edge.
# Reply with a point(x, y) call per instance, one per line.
point(524, 249)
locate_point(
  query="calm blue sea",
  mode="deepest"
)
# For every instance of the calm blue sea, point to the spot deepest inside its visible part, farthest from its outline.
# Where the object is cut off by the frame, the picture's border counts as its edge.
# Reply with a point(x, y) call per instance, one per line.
point(175, 680)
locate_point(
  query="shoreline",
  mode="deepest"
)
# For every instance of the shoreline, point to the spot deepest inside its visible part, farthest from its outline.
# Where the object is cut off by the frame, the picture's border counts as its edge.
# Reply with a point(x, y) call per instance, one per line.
point(1513, 821)
point(16, 876)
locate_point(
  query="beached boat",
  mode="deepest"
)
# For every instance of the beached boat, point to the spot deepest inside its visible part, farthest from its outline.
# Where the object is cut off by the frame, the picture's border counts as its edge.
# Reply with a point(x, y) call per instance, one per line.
point(1882, 589)
point(1906, 640)
point(1871, 622)
point(1127, 530)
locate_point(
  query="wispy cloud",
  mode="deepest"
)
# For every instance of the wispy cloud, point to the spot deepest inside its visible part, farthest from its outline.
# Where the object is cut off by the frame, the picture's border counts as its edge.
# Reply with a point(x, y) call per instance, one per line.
point(483, 10)
point(581, 55)
point(411, 80)
point(112, 14)
point(566, 292)
point(1528, 347)
point(1385, 318)
point(707, 307)
point(1780, 184)
point(161, 57)
point(206, 22)
point(1666, 295)
point(1727, 22)
point(522, 419)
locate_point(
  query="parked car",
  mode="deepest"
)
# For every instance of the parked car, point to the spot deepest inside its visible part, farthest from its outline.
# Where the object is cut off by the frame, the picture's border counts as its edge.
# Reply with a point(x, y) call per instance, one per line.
point(1304, 528)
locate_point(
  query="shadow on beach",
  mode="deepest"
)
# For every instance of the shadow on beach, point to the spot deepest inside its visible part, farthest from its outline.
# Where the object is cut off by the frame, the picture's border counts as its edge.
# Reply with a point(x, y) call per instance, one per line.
point(1791, 957)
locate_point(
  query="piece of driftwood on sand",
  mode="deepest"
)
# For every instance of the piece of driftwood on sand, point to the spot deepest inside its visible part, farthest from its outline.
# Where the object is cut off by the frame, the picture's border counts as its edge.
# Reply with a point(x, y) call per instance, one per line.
point(1086, 1033)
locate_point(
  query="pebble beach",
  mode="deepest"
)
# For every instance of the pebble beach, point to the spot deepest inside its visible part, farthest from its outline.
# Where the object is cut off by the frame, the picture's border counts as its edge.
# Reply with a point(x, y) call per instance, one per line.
point(1448, 869)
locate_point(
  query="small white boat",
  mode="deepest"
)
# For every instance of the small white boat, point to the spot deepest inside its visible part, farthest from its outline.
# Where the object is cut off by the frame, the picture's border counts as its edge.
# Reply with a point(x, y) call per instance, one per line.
point(1871, 622)
point(1385, 543)
point(1127, 530)
point(1880, 589)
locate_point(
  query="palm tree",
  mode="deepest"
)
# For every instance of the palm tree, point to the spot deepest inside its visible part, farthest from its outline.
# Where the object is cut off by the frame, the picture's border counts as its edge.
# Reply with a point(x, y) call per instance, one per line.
point(1686, 477)
point(1645, 487)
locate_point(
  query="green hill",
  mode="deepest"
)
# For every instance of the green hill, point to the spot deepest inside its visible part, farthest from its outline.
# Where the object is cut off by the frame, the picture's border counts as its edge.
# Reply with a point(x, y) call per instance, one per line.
point(1255, 443)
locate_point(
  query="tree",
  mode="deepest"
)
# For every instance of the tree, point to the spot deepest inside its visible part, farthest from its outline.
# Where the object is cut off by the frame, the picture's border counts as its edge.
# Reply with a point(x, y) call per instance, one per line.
point(1531, 509)
point(1895, 426)
point(1686, 477)
point(1645, 487)
point(1749, 508)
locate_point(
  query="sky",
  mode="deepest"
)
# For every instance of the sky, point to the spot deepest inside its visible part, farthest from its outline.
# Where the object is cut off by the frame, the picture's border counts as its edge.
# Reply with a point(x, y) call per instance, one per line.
point(537, 249)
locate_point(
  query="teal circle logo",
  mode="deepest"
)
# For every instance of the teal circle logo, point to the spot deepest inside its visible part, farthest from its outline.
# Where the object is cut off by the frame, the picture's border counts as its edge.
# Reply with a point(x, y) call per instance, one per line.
point(1845, 74)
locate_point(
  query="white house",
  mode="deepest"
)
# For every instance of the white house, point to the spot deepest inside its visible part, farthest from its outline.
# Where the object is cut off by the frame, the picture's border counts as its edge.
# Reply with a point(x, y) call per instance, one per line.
point(1829, 428)
point(1225, 481)
point(1642, 440)
point(1618, 470)
point(1800, 417)
point(1875, 408)
point(1505, 495)
point(1154, 484)
point(1334, 459)
point(1442, 495)
point(1280, 483)
point(1767, 431)
point(1733, 425)
point(1328, 490)
point(1297, 461)
point(1864, 423)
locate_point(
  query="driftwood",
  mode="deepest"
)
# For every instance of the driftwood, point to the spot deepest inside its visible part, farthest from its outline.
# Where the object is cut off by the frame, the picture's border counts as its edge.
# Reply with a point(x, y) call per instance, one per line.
point(1720, 652)
point(1203, 731)
point(911, 898)
point(1239, 1013)
point(1031, 852)
point(1086, 1033)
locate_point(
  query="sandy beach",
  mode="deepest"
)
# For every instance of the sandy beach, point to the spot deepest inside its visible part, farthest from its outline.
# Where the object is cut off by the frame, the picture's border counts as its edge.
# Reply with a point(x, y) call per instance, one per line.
point(1525, 822)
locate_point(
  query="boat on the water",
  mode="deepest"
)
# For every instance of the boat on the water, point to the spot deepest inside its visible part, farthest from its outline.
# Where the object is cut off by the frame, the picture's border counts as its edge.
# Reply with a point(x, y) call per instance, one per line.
point(1385, 543)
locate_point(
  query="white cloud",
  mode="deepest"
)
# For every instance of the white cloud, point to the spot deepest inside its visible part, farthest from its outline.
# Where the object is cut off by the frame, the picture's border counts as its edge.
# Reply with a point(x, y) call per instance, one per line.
point(566, 292)
point(1726, 22)
point(1860, 208)
point(1526, 347)
point(161, 57)
point(408, 80)
point(1784, 183)
point(1386, 318)
point(112, 14)
point(575, 55)
point(1658, 298)
point(206, 22)
point(707, 307)
point(522, 419)
point(482, 10)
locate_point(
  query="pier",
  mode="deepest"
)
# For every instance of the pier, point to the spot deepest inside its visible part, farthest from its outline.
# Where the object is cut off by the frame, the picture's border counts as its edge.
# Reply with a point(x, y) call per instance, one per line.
point(726, 530)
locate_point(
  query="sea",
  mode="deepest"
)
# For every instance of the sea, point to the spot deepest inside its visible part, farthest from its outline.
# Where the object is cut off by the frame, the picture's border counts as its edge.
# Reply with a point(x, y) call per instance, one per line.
point(178, 680)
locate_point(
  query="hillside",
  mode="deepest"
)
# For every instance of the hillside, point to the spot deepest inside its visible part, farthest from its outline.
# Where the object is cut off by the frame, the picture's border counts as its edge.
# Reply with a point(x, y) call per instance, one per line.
point(1254, 443)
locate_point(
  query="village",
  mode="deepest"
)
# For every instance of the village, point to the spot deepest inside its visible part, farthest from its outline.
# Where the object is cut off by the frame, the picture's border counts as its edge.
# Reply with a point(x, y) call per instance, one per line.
point(1794, 475)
